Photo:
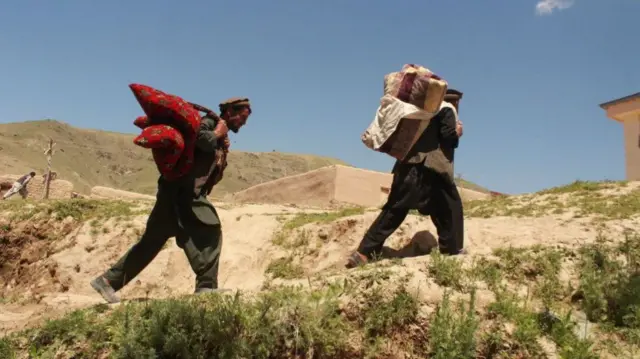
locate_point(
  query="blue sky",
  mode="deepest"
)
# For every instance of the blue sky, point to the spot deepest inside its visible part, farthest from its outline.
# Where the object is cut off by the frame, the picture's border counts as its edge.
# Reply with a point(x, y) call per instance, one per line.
point(533, 74)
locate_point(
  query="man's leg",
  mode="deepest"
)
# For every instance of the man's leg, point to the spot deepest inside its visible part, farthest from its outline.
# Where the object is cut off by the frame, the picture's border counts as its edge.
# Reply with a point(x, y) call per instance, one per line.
point(161, 225)
point(23, 192)
point(13, 190)
point(387, 222)
point(202, 244)
point(447, 216)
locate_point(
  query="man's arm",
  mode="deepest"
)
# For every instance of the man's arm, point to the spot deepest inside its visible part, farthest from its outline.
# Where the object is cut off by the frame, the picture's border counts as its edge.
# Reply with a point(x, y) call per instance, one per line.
point(448, 132)
point(24, 179)
point(206, 140)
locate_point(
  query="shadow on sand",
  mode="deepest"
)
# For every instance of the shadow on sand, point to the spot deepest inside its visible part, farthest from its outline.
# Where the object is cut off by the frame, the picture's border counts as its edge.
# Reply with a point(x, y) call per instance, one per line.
point(422, 243)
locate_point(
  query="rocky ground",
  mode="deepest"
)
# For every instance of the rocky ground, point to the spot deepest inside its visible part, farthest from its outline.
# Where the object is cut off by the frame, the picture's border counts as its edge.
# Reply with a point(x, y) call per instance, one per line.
point(548, 275)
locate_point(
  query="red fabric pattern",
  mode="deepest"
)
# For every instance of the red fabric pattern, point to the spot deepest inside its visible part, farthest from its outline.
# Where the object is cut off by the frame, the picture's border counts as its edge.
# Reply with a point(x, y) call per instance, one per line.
point(160, 136)
point(169, 129)
point(142, 122)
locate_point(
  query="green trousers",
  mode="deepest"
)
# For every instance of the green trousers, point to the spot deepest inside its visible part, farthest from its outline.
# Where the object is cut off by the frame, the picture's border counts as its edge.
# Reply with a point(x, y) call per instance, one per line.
point(197, 230)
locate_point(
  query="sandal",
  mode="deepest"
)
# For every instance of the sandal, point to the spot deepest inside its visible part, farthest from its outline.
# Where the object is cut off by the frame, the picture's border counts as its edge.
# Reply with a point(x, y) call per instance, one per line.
point(355, 260)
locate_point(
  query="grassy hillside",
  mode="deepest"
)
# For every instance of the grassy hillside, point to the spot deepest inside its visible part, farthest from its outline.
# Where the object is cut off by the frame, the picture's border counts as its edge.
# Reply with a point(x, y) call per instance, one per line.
point(91, 157)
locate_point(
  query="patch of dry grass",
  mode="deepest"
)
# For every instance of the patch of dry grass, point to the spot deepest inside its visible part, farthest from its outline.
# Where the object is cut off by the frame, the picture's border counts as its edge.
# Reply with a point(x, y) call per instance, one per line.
point(79, 209)
point(599, 201)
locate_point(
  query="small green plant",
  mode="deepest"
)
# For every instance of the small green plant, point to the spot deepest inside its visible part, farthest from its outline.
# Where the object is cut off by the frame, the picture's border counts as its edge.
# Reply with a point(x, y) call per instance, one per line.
point(562, 332)
point(291, 240)
point(610, 282)
point(285, 268)
point(77, 327)
point(453, 329)
point(6, 349)
point(447, 271)
point(513, 309)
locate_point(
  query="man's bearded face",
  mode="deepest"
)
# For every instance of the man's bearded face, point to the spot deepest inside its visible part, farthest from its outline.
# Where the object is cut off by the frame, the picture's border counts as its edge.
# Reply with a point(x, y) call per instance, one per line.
point(237, 119)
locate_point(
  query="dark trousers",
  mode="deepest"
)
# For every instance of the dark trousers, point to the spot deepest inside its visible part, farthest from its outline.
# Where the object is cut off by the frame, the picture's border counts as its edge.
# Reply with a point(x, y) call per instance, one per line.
point(201, 243)
point(444, 207)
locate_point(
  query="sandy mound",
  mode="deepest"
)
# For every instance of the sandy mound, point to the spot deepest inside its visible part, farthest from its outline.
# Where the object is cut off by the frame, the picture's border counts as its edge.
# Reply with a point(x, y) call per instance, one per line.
point(112, 193)
point(50, 258)
point(45, 274)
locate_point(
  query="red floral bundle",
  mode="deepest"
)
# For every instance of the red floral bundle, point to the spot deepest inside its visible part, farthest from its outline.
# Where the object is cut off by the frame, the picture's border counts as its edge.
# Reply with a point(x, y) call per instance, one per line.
point(169, 129)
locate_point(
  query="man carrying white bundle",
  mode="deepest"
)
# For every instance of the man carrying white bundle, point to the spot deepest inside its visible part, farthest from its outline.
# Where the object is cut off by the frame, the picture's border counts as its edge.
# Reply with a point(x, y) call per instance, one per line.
point(423, 181)
point(20, 186)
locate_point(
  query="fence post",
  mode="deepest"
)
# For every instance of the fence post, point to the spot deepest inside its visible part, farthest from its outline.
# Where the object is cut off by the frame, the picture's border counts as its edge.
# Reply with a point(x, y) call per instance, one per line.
point(47, 179)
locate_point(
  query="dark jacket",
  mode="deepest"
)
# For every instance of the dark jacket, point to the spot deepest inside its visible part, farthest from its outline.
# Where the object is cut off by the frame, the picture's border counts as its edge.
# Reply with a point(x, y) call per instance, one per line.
point(190, 192)
point(438, 143)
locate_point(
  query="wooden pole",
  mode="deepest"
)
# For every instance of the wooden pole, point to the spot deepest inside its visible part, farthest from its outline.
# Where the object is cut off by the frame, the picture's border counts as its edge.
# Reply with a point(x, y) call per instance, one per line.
point(47, 179)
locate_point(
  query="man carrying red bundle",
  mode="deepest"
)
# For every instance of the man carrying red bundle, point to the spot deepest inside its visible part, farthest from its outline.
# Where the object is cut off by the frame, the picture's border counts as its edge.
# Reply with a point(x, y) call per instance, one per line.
point(182, 210)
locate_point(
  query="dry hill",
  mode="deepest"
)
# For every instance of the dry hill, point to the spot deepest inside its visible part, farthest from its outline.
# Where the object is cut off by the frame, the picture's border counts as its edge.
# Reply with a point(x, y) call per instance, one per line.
point(90, 158)
point(548, 275)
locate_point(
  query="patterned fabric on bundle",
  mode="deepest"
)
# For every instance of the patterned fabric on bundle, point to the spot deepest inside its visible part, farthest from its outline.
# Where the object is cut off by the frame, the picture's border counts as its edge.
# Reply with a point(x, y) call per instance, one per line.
point(167, 147)
point(142, 122)
point(416, 85)
point(396, 127)
point(169, 129)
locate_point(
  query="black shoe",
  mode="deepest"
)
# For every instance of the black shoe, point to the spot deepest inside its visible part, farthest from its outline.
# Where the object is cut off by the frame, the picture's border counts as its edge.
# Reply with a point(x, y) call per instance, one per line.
point(102, 286)
point(460, 252)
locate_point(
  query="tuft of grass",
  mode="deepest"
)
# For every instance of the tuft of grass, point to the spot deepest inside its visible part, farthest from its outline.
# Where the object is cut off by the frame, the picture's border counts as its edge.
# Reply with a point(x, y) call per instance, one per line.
point(326, 217)
point(447, 271)
point(290, 240)
point(285, 268)
point(539, 264)
point(6, 349)
point(609, 285)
